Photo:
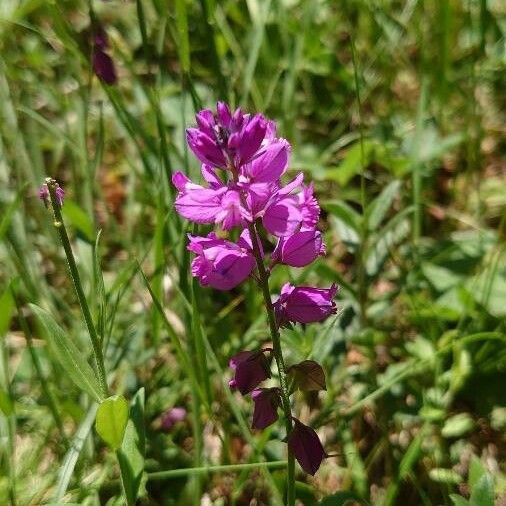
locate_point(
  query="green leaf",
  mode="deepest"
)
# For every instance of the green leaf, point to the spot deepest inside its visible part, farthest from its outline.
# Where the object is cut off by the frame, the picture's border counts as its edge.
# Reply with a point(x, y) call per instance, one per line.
point(476, 471)
point(482, 493)
point(457, 425)
point(182, 30)
point(6, 405)
point(447, 476)
point(346, 222)
point(70, 357)
point(378, 208)
point(308, 376)
point(458, 500)
point(78, 219)
point(112, 417)
point(6, 310)
point(340, 499)
point(131, 453)
point(352, 163)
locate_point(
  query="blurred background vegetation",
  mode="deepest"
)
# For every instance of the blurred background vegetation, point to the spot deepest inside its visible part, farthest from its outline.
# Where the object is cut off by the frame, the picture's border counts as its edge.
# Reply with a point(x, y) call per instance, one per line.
point(395, 109)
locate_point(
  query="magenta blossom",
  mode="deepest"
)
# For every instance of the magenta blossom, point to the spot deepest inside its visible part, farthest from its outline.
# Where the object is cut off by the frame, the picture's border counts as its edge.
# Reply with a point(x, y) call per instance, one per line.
point(283, 210)
point(304, 443)
point(267, 401)
point(304, 304)
point(45, 197)
point(299, 249)
point(219, 263)
point(171, 417)
point(250, 368)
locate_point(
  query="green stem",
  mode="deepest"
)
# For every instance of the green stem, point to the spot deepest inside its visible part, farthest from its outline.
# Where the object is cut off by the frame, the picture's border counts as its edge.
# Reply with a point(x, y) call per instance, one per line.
point(176, 473)
point(74, 273)
point(278, 356)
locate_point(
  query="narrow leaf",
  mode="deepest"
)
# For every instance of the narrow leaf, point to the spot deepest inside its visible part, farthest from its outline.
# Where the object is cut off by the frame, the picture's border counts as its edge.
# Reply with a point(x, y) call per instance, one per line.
point(112, 417)
point(131, 453)
point(70, 357)
point(378, 208)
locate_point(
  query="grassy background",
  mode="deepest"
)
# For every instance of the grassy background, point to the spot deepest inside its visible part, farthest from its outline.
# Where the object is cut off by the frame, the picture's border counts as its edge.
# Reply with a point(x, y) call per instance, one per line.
point(394, 109)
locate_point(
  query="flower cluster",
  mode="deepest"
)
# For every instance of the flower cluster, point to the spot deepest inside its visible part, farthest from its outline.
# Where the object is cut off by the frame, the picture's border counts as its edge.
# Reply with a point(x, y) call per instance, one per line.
point(243, 162)
point(45, 197)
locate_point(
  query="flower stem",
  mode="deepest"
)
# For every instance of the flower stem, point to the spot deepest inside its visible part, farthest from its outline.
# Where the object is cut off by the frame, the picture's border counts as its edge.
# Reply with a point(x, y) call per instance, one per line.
point(278, 356)
point(74, 273)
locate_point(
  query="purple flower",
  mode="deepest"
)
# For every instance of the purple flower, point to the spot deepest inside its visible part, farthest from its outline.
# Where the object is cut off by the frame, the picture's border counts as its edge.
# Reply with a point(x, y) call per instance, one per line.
point(102, 63)
point(267, 401)
point(196, 203)
point(304, 443)
point(171, 417)
point(291, 208)
point(45, 197)
point(299, 249)
point(225, 139)
point(269, 164)
point(250, 369)
point(219, 263)
point(304, 304)
point(100, 38)
point(103, 66)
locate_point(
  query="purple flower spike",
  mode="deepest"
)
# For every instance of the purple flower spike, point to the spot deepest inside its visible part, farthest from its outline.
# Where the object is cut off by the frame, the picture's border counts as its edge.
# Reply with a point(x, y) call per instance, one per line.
point(171, 417)
point(267, 401)
point(304, 443)
point(219, 263)
point(304, 304)
point(251, 368)
point(45, 197)
point(300, 249)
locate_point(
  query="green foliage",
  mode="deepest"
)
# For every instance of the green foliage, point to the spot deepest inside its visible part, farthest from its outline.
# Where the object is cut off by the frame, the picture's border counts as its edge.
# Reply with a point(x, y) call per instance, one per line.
point(112, 418)
point(70, 358)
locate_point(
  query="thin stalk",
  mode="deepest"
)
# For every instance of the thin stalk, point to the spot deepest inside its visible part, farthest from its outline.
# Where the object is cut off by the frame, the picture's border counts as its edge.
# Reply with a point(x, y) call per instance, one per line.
point(361, 270)
point(74, 273)
point(177, 473)
point(278, 356)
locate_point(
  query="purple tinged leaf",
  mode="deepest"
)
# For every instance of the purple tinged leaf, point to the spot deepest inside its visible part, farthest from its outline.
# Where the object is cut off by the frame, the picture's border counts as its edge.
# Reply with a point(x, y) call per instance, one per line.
point(304, 443)
point(267, 401)
point(308, 376)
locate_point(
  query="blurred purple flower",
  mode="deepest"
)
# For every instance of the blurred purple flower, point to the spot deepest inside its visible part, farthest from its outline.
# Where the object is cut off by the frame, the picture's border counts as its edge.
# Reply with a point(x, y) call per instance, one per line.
point(304, 443)
point(304, 304)
point(299, 249)
point(45, 197)
point(267, 401)
point(103, 66)
point(219, 263)
point(250, 369)
point(102, 63)
point(171, 417)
